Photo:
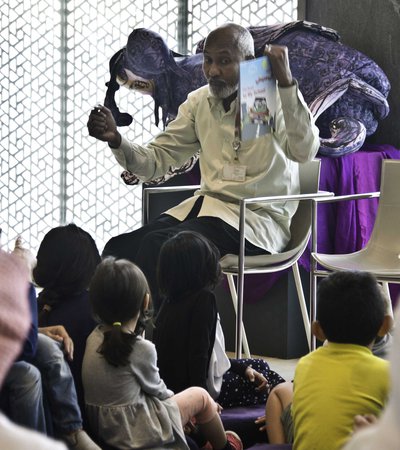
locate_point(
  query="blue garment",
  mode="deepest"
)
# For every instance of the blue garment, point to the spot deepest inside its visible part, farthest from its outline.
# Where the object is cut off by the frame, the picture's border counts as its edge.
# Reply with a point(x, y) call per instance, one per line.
point(45, 380)
point(73, 311)
point(23, 389)
point(58, 385)
point(29, 348)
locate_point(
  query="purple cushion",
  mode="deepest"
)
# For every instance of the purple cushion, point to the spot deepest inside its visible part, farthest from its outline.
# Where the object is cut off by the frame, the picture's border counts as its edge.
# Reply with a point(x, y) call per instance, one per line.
point(241, 420)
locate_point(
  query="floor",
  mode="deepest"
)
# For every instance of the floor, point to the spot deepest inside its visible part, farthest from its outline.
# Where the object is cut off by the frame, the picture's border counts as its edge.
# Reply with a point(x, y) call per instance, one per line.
point(285, 367)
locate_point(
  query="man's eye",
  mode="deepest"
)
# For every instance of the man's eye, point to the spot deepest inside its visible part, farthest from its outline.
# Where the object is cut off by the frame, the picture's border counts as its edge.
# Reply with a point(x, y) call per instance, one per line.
point(225, 61)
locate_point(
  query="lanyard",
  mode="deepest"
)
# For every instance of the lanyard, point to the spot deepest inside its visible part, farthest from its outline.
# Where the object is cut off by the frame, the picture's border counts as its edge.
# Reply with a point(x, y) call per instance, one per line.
point(236, 142)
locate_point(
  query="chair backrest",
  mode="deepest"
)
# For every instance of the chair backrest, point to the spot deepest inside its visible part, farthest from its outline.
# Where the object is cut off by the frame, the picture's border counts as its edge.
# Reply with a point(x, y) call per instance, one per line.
point(385, 234)
point(300, 227)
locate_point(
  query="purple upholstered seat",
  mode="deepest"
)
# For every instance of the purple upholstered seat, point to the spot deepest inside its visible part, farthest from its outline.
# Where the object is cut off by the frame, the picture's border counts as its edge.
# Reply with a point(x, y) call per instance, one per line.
point(241, 420)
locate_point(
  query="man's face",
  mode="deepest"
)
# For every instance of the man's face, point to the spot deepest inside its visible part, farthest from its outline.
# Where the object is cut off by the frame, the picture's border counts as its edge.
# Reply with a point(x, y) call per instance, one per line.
point(221, 64)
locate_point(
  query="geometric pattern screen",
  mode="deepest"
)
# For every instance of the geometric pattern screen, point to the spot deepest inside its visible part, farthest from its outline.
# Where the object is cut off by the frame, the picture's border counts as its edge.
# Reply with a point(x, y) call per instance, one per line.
point(54, 66)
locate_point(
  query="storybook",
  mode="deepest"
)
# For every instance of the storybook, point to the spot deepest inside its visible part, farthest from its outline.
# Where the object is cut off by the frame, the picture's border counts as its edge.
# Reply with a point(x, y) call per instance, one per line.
point(257, 98)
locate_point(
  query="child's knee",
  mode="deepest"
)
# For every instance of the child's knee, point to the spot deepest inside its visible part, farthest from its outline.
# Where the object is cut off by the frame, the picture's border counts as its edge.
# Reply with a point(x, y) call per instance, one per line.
point(284, 391)
point(208, 406)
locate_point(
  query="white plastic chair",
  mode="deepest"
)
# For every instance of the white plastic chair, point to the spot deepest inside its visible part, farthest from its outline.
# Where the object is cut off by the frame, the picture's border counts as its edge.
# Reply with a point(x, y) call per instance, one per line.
point(381, 255)
point(239, 265)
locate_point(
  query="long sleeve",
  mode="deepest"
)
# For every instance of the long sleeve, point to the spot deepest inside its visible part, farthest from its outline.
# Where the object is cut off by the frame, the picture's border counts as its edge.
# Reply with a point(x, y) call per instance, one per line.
point(270, 162)
point(201, 339)
point(171, 148)
point(297, 133)
point(146, 371)
point(239, 367)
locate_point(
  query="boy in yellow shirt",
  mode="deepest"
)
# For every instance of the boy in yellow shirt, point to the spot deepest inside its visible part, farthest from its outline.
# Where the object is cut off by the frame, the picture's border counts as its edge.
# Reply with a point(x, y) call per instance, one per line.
point(342, 378)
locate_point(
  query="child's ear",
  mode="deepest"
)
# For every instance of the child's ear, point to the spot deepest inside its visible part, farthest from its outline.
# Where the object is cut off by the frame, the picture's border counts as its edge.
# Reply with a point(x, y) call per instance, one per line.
point(146, 302)
point(317, 331)
point(386, 326)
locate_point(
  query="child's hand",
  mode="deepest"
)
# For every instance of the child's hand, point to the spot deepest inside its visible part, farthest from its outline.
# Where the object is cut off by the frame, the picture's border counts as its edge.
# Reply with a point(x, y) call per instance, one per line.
point(25, 255)
point(59, 334)
point(258, 379)
point(262, 422)
point(363, 421)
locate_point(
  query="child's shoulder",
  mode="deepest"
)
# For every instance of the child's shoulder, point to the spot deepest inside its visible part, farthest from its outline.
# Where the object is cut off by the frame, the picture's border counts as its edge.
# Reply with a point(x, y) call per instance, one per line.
point(144, 343)
point(349, 353)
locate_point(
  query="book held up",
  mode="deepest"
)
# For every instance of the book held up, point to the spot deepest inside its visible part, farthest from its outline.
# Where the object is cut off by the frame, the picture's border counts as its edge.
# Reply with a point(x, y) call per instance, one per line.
point(257, 98)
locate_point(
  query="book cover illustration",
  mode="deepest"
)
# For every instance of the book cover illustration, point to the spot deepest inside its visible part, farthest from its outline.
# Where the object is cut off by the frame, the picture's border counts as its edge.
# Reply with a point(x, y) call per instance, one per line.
point(257, 97)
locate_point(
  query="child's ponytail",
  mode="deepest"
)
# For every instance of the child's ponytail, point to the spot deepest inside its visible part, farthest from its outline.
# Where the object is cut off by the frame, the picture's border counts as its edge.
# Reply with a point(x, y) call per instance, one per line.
point(117, 294)
point(117, 346)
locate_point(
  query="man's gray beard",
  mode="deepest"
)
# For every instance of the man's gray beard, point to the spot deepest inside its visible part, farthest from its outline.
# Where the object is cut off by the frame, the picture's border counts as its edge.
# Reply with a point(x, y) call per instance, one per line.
point(224, 92)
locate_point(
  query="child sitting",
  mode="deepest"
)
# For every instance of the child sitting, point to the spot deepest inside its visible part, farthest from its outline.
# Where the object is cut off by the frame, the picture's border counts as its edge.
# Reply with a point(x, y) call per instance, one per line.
point(128, 405)
point(371, 433)
point(39, 390)
point(343, 378)
point(188, 331)
point(66, 260)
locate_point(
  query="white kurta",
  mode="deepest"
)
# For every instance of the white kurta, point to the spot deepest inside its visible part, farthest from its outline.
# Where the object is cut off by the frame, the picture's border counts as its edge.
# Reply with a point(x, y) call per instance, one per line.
point(271, 161)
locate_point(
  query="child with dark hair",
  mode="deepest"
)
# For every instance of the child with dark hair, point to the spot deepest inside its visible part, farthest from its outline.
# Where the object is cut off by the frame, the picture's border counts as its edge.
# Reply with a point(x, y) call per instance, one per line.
point(371, 433)
point(342, 378)
point(128, 405)
point(188, 333)
point(39, 390)
point(66, 260)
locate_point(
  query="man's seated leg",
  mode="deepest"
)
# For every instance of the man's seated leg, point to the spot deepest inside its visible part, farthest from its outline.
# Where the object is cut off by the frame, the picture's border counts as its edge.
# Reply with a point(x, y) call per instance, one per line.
point(127, 245)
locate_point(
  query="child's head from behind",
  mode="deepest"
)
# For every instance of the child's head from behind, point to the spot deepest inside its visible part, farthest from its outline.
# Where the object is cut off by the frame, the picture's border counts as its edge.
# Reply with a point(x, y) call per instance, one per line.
point(350, 307)
point(188, 262)
point(119, 295)
point(66, 260)
point(117, 291)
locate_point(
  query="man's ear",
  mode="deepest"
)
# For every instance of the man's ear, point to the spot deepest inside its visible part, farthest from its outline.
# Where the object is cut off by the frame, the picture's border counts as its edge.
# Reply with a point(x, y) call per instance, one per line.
point(317, 331)
point(386, 326)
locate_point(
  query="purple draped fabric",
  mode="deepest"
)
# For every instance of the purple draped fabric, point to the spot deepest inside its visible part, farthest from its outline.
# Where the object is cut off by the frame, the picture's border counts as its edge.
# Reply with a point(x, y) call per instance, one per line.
point(343, 227)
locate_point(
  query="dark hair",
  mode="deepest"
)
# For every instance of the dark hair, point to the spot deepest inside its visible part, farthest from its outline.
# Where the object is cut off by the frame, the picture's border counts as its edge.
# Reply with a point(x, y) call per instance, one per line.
point(116, 293)
point(350, 307)
point(187, 263)
point(66, 261)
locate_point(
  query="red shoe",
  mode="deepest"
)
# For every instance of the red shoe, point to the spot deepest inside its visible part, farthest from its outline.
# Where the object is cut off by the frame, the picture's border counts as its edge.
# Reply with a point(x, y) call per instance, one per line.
point(234, 440)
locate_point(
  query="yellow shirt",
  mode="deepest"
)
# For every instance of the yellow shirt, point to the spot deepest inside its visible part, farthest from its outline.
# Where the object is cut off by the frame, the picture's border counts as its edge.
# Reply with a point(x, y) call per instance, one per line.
point(271, 161)
point(331, 386)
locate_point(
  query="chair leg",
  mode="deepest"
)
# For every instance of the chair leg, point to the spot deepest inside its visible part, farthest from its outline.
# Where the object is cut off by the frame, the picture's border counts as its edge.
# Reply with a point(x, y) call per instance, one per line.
point(232, 288)
point(302, 302)
point(388, 300)
point(313, 305)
